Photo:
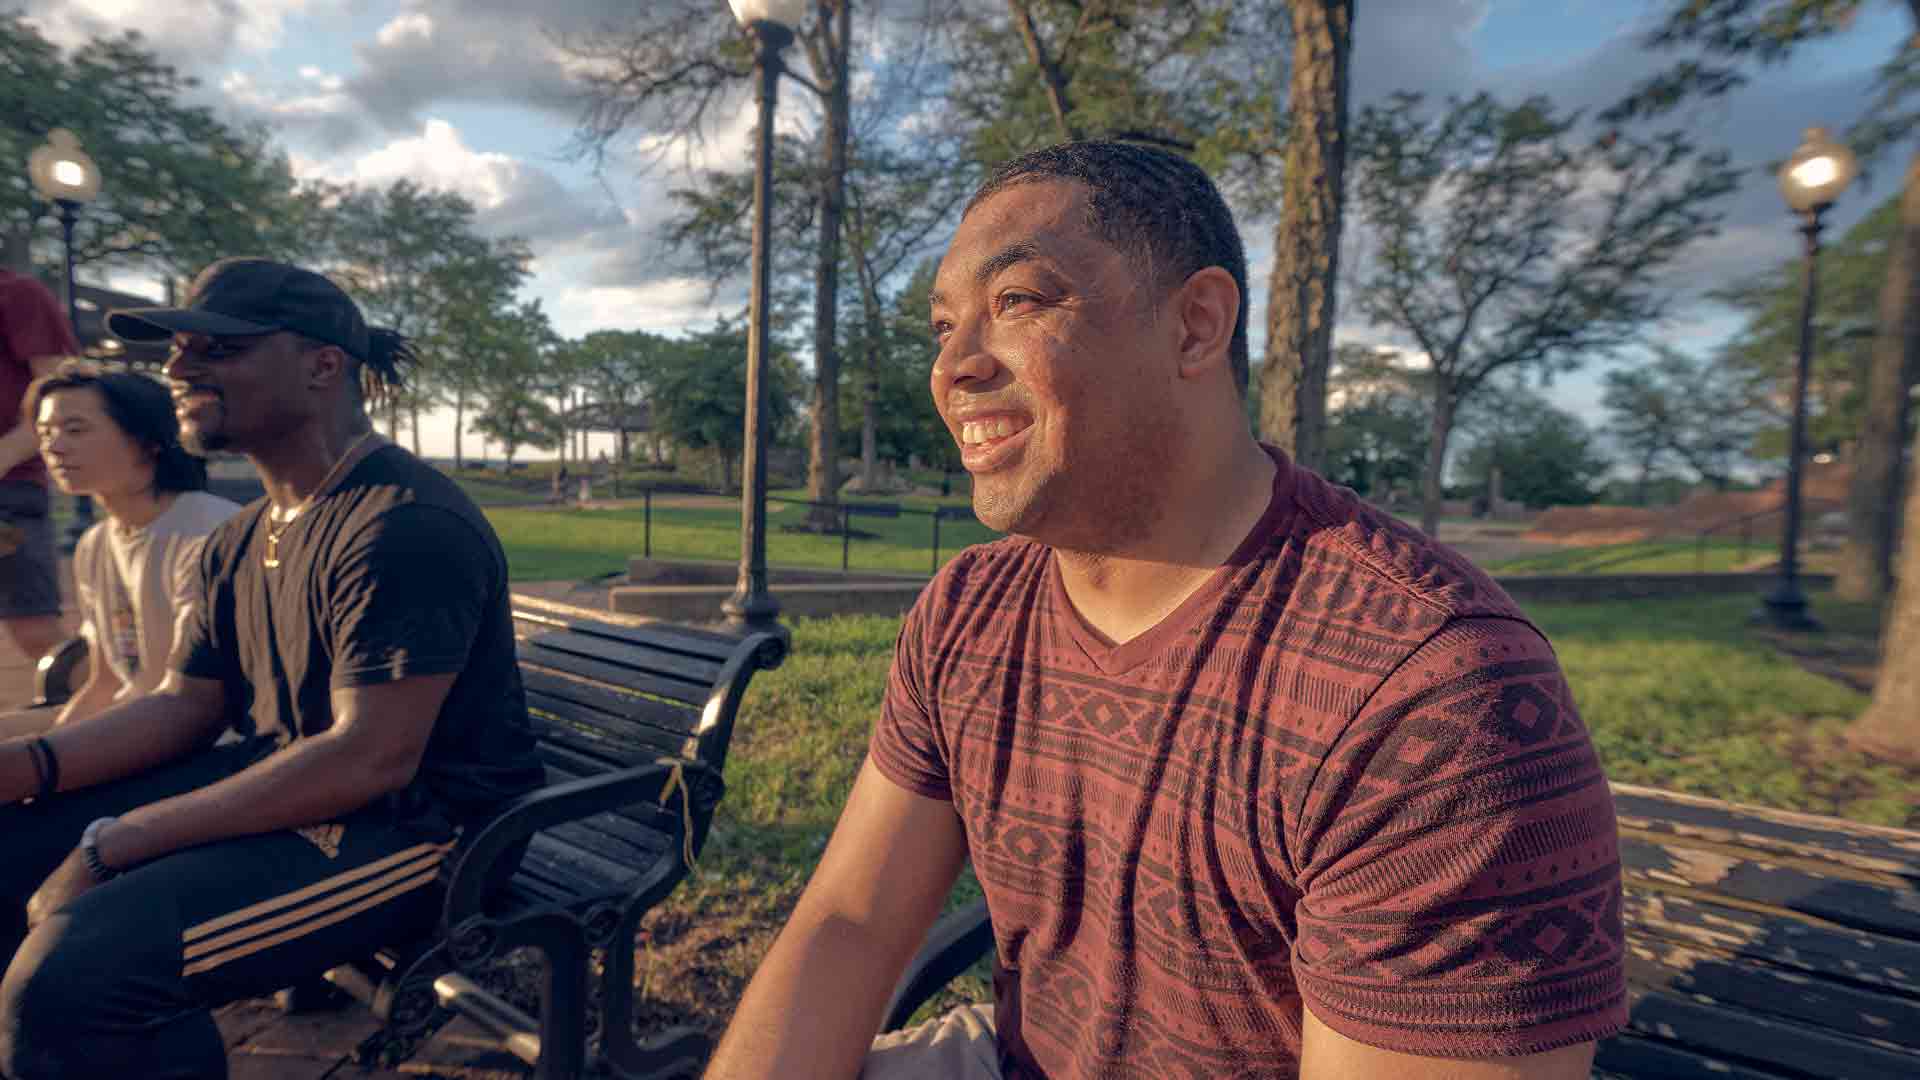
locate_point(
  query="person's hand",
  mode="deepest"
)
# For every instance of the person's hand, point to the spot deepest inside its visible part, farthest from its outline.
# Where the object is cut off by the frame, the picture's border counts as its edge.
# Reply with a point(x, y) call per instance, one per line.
point(69, 882)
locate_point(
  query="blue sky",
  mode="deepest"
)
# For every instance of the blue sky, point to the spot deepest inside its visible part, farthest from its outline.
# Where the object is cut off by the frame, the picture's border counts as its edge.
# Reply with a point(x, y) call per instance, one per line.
point(469, 94)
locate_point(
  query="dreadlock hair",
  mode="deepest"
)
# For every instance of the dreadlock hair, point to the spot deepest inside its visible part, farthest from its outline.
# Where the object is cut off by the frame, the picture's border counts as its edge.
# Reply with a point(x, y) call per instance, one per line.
point(140, 406)
point(390, 361)
point(1151, 203)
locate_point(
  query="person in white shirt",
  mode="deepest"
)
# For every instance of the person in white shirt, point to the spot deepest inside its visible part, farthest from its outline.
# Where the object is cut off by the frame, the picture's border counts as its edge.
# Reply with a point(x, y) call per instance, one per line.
point(113, 435)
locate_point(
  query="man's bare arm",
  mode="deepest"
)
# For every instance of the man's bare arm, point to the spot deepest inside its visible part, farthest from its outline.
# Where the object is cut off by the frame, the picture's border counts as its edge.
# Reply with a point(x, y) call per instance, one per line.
point(1325, 1054)
point(814, 1006)
point(21, 443)
point(93, 697)
point(374, 747)
point(181, 715)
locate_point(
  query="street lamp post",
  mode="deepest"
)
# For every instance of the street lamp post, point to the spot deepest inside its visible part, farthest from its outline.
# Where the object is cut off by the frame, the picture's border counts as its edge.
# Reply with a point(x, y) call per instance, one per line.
point(65, 176)
point(1819, 170)
point(752, 607)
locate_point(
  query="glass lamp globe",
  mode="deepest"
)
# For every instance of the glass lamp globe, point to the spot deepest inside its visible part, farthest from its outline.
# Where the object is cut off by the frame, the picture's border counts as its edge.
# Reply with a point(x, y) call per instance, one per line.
point(1819, 170)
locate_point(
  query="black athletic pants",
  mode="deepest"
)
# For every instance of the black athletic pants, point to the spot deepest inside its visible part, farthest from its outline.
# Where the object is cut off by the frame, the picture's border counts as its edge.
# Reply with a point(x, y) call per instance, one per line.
point(120, 982)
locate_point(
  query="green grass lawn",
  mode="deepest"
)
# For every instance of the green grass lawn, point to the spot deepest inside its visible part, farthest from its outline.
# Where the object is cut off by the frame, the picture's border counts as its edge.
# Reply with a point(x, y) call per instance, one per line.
point(566, 544)
point(1646, 557)
point(1678, 694)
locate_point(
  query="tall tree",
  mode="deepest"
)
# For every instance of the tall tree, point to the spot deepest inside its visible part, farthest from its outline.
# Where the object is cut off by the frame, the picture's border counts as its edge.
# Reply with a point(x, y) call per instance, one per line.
point(1306, 242)
point(1542, 455)
point(1723, 40)
point(701, 389)
point(404, 253)
point(180, 186)
point(1890, 727)
point(676, 61)
point(1675, 408)
point(1376, 422)
point(1506, 245)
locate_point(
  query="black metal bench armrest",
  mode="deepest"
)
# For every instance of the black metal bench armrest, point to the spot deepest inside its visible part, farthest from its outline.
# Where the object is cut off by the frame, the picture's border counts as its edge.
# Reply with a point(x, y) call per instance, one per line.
point(53, 673)
point(958, 941)
point(509, 830)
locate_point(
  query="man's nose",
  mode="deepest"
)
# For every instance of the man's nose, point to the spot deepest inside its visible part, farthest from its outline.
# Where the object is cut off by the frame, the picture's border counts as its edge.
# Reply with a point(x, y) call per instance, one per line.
point(962, 356)
point(178, 360)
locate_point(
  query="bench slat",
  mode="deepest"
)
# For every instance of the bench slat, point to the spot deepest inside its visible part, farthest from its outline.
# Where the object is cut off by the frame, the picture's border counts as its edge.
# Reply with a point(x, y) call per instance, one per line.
point(619, 691)
point(540, 616)
point(585, 873)
point(1630, 1057)
point(618, 839)
point(595, 744)
point(1722, 1030)
point(641, 719)
point(1778, 939)
point(1824, 839)
point(1885, 906)
point(695, 670)
point(1769, 991)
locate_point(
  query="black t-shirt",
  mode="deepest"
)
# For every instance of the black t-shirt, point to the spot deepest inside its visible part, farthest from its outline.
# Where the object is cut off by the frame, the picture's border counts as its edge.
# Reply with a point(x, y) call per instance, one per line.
point(393, 573)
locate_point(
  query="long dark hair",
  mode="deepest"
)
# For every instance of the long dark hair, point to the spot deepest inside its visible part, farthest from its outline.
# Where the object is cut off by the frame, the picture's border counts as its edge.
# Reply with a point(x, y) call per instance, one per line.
point(140, 406)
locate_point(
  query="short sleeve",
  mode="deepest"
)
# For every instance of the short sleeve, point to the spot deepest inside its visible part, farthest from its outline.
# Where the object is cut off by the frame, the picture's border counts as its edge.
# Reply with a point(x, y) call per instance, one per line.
point(34, 324)
point(1459, 860)
point(186, 594)
point(405, 597)
point(196, 645)
point(905, 747)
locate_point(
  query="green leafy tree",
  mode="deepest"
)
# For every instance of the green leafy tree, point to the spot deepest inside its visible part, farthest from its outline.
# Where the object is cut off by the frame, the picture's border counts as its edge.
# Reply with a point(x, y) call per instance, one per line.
point(700, 393)
point(1721, 43)
point(1377, 423)
point(1677, 410)
point(1544, 456)
point(1503, 244)
point(180, 187)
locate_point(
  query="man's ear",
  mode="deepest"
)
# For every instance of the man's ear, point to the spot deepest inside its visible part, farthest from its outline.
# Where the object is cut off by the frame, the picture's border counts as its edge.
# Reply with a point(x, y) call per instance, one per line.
point(326, 366)
point(1208, 307)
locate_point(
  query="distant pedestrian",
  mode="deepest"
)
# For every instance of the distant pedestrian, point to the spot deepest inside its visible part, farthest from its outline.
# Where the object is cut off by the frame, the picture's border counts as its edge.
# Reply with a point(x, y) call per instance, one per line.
point(34, 338)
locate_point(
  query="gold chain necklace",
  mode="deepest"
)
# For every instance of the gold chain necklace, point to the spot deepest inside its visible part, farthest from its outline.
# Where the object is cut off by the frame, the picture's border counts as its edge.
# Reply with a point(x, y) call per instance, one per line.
point(276, 528)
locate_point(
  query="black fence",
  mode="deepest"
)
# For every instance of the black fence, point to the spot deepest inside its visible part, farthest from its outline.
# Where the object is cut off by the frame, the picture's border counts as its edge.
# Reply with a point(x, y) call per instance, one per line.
point(847, 511)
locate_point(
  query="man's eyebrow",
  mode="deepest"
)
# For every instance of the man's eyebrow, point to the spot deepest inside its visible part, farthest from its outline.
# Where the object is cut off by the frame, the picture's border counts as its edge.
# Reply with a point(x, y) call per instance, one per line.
point(1011, 255)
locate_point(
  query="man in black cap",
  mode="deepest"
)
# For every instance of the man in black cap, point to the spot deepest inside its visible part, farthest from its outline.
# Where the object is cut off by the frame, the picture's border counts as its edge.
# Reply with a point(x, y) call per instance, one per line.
point(355, 628)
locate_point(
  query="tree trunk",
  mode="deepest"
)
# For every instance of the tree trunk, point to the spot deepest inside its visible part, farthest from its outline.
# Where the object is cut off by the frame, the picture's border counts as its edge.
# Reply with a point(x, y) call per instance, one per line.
point(1873, 500)
point(1306, 243)
point(1049, 68)
point(459, 427)
point(1890, 727)
point(413, 420)
point(1440, 430)
point(823, 464)
point(16, 247)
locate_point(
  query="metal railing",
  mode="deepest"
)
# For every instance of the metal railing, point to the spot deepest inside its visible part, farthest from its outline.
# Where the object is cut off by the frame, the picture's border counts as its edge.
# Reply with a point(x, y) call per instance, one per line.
point(847, 512)
point(1744, 523)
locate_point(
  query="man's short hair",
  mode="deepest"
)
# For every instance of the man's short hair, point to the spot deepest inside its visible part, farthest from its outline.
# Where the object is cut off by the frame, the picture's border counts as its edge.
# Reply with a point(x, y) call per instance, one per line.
point(1148, 202)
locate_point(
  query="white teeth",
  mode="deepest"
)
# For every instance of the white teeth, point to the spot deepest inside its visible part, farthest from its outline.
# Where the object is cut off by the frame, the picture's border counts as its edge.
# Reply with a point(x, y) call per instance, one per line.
point(975, 432)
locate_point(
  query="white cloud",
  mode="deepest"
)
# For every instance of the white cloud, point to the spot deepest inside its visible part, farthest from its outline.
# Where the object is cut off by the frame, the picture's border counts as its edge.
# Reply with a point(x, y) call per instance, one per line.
point(437, 158)
point(414, 26)
point(670, 307)
point(187, 30)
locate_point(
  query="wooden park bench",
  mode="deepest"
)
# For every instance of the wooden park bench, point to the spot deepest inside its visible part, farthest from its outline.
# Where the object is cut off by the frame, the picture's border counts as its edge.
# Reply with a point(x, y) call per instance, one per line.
point(633, 725)
point(1761, 945)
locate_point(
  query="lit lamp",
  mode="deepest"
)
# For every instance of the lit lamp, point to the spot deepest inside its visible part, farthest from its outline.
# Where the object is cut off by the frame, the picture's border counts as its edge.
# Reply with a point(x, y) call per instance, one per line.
point(772, 23)
point(1810, 181)
point(65, 176)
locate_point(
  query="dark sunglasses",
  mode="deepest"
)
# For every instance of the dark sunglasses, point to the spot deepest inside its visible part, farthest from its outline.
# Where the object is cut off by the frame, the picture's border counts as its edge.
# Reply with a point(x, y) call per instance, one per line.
point(215, 348)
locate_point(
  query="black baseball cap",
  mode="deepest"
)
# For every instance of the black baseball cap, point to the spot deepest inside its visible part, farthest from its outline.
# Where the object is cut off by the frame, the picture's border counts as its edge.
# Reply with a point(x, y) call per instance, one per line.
point(242, 297)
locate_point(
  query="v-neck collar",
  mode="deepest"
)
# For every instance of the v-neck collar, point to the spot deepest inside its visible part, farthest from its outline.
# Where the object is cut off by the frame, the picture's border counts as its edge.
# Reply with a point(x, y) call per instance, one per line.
point(1129, 654)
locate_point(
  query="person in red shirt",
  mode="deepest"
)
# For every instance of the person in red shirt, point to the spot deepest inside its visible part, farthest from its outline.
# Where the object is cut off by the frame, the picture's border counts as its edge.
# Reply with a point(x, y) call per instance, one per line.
point(34, 338)
point(1257, 780)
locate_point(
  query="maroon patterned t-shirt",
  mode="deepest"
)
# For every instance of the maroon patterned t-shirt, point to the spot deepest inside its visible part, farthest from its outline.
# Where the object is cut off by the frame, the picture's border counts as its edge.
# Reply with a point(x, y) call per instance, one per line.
point(1345, 772)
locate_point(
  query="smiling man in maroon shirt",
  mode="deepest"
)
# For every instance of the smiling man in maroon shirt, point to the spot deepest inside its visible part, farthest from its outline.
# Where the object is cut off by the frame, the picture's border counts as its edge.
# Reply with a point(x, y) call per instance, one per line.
point(1257, 780)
